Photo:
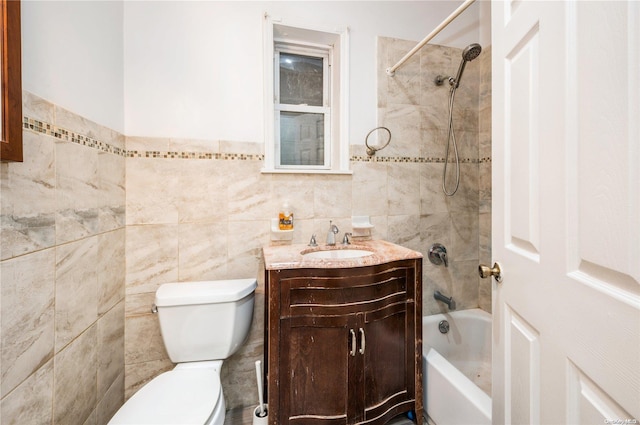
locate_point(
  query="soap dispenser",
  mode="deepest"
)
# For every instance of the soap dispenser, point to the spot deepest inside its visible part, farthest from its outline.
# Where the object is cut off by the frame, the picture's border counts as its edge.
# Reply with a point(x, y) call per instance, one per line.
point(285, 217)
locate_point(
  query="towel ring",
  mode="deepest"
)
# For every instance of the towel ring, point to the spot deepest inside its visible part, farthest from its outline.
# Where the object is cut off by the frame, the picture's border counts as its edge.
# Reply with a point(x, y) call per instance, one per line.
point(372, 150)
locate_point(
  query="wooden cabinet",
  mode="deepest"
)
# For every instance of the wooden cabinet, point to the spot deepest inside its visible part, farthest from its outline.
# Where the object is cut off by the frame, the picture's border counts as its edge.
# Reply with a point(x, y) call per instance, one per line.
point(344, 345)
point(10, 82)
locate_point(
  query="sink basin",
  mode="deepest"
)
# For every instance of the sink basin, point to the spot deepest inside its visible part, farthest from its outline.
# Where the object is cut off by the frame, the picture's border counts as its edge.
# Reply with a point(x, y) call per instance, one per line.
point(337, 253)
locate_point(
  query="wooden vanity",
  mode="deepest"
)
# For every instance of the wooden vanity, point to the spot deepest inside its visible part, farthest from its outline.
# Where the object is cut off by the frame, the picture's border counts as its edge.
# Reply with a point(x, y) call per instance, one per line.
point(343, 337)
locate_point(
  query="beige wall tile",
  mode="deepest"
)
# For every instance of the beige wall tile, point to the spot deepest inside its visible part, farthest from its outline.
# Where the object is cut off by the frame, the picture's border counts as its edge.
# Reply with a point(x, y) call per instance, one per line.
point(76, 191)
point(143, 342)
point(32, 401)
point(152, 257)
point(27, 316)
point(28, 196)
point(202, 251)
point(111, 270)
point(110, 349)
point(75, 379)
point(152, 189)
point(112, 401)
point(76, 289)
point(111, 188)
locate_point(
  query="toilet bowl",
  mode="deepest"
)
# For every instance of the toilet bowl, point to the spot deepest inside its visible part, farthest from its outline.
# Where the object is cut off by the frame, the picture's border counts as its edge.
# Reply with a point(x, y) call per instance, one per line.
point(202, 323)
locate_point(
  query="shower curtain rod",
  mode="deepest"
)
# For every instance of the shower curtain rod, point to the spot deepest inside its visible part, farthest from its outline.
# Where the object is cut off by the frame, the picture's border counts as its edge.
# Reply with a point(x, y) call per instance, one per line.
point(391, 71)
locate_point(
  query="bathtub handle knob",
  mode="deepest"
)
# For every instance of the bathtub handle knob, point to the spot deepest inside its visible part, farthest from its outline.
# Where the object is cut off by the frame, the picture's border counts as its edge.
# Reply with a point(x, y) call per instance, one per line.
point(495, 271)
point(362, 341)
point(352, 352)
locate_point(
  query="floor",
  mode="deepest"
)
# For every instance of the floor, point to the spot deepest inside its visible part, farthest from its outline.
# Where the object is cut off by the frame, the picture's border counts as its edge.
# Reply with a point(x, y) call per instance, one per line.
point(244, 416)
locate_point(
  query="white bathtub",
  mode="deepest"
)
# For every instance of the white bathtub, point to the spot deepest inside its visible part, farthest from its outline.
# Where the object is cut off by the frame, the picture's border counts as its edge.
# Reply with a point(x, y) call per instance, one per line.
point(457, 368)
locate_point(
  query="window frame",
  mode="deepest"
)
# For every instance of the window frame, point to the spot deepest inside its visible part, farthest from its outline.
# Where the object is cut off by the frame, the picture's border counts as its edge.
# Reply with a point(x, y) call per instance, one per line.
point(308, 36)
point(308, 50)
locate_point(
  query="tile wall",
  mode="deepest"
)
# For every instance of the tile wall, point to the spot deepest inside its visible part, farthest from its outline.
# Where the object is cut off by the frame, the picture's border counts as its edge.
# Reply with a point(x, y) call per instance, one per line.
point(78, 277)
point(62, 266)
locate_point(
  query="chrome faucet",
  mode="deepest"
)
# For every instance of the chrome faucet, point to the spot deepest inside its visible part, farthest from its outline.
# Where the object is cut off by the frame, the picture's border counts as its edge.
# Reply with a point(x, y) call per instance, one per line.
point(447, 300)
point(331, 234)
point(345, 240)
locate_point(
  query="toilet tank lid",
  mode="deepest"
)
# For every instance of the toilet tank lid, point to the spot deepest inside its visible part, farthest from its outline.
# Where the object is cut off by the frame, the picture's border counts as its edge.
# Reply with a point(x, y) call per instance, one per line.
point(205, 292)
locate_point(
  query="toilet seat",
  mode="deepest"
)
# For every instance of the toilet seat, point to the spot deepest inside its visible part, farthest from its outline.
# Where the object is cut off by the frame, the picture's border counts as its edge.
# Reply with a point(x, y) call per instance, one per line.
point(184, 395)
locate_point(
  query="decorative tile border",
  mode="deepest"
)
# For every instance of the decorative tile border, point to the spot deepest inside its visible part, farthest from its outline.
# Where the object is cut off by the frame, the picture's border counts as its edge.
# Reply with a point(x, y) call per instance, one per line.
point(69, 136)
point(80, 139)
point(419, 160)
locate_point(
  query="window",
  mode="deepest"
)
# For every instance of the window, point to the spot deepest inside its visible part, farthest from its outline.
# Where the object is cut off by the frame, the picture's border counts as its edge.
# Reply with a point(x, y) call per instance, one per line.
point(302, 111)
point(306, 105)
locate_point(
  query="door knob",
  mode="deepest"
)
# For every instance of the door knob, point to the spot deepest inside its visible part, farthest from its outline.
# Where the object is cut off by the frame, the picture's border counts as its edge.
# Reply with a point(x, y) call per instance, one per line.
point(495, 271)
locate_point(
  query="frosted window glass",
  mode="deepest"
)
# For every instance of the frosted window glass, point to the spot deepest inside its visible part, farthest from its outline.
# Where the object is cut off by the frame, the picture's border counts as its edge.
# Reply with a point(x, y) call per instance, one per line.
point(301, 138)
point(301, 80)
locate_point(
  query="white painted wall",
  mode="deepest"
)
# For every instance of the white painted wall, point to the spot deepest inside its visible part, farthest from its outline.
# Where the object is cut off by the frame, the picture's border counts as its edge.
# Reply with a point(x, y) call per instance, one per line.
point(72, 55)
point(194, 69)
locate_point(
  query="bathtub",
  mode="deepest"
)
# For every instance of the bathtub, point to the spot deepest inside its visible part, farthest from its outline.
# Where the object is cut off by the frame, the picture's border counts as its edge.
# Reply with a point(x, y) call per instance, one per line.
point(457, 368)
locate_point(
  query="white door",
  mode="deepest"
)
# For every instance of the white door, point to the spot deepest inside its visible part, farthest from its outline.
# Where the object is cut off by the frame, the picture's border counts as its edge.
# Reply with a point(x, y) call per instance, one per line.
point(566, 211)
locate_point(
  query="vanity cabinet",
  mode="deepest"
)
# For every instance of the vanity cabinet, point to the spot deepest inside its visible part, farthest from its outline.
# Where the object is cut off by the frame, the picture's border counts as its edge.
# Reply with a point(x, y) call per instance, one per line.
point(343, 345)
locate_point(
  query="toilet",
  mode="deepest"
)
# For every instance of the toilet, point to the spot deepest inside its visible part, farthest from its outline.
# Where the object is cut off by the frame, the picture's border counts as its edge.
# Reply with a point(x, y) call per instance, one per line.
point(202, 324)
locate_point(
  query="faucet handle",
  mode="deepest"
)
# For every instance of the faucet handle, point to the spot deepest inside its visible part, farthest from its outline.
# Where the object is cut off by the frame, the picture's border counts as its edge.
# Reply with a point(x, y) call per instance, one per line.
point(345, 240)
point(313, 242)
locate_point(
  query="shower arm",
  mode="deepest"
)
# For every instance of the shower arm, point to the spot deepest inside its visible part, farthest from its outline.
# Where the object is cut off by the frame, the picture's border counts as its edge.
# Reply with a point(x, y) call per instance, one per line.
point(392, 70)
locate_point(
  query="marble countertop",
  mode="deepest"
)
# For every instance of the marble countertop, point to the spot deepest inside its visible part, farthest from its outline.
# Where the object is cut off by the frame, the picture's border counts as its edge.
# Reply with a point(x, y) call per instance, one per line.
point(279, 257)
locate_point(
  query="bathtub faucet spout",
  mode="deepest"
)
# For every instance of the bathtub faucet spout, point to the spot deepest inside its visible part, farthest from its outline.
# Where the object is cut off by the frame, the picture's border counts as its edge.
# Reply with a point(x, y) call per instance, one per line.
point(447, 300)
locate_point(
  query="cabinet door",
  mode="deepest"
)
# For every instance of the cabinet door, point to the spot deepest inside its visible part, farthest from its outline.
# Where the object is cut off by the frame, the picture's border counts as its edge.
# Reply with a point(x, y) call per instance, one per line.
point(318, 365)
point(388, 362)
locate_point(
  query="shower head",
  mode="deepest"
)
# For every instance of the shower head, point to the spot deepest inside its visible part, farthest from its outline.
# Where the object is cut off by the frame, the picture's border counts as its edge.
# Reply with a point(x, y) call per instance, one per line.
point(469, 53)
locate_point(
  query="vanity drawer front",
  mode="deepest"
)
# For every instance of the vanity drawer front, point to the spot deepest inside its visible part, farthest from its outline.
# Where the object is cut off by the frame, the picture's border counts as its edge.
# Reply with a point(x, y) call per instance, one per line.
point(331, 295)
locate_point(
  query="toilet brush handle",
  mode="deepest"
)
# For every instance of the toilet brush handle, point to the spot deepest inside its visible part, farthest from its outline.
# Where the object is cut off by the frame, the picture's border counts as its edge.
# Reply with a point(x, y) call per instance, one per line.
point(259, 379)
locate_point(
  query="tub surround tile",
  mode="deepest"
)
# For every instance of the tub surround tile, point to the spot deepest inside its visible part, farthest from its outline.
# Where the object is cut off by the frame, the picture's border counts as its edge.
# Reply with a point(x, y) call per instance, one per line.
point(403, 189)
point(403, 121)
point(27, 316)
point(464, 237)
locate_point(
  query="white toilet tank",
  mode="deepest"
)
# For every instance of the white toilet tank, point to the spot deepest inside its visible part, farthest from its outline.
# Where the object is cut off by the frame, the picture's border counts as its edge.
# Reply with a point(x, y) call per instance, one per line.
point(205, 320)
